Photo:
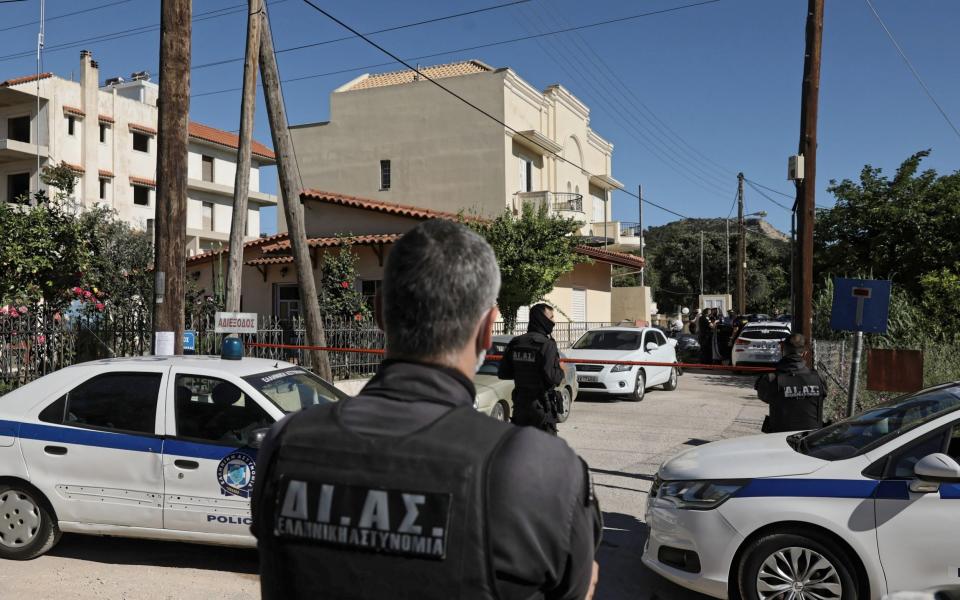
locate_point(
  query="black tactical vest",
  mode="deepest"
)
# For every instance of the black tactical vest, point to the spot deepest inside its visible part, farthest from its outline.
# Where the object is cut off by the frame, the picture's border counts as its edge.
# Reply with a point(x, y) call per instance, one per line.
point(379, 517)
point(799, 402)
point(527, 355)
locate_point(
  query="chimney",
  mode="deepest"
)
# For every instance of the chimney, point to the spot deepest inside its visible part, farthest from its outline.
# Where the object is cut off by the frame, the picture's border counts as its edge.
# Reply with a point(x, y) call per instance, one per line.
point(89, 94)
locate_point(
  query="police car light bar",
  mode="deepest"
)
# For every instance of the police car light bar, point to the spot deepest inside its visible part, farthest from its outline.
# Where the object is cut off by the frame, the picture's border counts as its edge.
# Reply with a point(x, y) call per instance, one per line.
point(232, 349)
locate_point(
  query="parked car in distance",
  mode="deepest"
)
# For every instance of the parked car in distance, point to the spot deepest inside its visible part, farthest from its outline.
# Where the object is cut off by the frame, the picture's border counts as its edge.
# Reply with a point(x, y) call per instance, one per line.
point(855, 510)
point(494, 395)
point(626, 344)
point(568, 388)
point(688, 348)
point(758, 344)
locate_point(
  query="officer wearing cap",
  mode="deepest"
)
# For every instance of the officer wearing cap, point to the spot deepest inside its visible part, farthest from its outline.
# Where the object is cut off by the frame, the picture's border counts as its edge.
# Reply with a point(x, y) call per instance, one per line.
point(406, 491)
point(795, 392)
point(532, 360)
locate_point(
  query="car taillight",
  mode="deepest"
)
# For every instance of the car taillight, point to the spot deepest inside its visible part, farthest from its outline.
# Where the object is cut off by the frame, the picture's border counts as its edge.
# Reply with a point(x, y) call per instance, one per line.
point(743, 342)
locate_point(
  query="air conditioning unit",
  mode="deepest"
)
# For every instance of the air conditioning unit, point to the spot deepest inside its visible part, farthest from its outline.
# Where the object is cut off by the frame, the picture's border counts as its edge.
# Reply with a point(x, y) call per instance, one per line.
point(795, 167)
point(114, 81)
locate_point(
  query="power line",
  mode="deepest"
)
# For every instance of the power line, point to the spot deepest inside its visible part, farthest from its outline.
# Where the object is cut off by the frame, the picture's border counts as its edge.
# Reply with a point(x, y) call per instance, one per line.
point(770, 189)
point(477, 108)
point(350, 37)
point(63, 16)
point(759, 191)
point(916, 75)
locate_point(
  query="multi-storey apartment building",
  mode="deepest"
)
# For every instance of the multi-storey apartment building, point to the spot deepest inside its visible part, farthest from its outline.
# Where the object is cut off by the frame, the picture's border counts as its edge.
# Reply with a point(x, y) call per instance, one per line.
point(107, 135)
point(396, 137)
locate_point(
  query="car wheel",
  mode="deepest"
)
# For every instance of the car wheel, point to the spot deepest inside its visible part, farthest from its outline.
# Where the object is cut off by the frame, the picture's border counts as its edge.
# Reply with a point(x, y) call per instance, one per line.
point(567, 395)
point(801, 566)
point(499, 412)
point(641, 388)
point(674, 380)
point(27, 528)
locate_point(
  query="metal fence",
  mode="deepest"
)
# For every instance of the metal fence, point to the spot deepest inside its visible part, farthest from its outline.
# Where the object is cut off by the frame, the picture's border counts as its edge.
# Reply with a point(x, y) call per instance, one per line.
point(565, 333)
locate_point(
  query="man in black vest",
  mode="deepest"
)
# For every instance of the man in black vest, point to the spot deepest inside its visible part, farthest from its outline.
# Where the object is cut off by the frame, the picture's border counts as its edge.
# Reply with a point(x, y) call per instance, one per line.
point(795, 392)
point(406, 491)
point(532, 360)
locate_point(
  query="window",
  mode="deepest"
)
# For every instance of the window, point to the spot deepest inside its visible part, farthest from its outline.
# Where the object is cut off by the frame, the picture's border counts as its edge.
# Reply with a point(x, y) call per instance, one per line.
point(207, 216)
point(384, 174)
point(71, 125)
point(141, 195)
point(369, 289)
point(902, 462)
point(286, 301)
point(291, 390)
point(104, 182)
point(18, 185)
point(215, 410)
point(141, 142)
point(103, 133)
point(18, 128)
point(207, 174)
point(119, 401)
point(526, 174)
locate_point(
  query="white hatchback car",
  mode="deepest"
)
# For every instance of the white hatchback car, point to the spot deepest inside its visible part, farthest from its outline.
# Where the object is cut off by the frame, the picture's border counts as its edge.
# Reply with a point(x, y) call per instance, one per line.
point(149, 447)
point(633, 344)
point(858, 509)
point(758, 343)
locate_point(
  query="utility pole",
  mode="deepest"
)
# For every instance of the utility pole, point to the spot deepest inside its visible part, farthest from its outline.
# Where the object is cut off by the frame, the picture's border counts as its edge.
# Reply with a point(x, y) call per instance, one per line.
point(640, 230)
point(807, 187)
point(171, 214)
point(727, 222)
point(290, 188)
point(241, 186)
point(701, 265)
point(741, 251)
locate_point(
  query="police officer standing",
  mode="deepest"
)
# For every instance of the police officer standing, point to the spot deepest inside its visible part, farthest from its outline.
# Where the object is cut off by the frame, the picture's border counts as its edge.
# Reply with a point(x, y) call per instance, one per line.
point(532, 360)
point(795, 392)
point(406, 491)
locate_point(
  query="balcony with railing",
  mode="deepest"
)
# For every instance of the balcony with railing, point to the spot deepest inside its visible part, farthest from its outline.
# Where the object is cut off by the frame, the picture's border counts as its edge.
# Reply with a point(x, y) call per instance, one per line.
point(564, 204)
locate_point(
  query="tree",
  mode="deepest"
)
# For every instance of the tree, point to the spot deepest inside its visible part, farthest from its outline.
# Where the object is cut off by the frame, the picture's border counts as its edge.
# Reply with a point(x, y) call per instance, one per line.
point(900, 229)
point(120, 258)
point(533, 250)
point(338, 295)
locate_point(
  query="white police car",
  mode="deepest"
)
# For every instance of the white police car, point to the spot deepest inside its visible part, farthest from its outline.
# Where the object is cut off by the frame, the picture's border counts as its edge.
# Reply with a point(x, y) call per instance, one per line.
point(858, 509)
point(148, 447)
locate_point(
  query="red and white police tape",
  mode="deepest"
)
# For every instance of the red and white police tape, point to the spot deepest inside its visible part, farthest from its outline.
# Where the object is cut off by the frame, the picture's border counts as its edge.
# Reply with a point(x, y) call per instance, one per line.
point(640, 363)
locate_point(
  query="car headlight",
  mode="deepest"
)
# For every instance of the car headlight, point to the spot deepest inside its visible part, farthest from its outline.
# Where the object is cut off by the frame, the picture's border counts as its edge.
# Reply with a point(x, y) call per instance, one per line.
point(621, 368)
point(698, 495)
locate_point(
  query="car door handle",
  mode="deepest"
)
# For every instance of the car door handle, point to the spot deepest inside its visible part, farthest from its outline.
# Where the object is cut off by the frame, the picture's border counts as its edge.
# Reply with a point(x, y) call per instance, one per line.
point(187, 464)
point(55, 450)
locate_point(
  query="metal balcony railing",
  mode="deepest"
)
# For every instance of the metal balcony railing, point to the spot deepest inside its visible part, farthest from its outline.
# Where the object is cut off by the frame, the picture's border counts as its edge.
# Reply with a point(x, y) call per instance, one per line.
point(629, 229)
point(567, 201)
point(555, 201)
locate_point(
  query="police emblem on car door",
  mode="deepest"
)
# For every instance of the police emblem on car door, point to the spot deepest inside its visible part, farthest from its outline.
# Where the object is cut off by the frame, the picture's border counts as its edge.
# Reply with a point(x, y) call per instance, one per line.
point(209, 470)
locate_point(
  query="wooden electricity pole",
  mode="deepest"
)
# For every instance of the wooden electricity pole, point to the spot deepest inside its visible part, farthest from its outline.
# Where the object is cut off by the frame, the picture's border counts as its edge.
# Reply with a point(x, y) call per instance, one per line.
point(807, 186)
point(290, 189)
point(241, 186)
point(171, 194)
point(741, 251)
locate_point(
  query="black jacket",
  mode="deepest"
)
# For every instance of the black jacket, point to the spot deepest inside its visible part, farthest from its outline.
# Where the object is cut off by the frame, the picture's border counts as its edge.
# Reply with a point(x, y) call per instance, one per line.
point(544, 524)
point(795, 394)
point(541, 371)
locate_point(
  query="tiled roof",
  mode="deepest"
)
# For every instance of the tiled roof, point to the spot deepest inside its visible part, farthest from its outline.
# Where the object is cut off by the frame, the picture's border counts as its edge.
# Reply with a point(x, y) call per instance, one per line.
point(106, 118)
point(106, 173)
point(197, 258)
point(468, 67)
point(224, 138)
point(621, 259)
point(26, 79)
point(73, 110)
point(143, 181)
point(403, 210)
point(270, 260)
point(327, 242)
point(74, 168)
point(143, 129)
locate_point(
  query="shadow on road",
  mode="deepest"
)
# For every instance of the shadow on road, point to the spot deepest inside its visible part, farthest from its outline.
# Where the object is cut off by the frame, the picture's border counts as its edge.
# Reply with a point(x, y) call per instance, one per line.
point(744, 382)
point(124, 551)
point(622, 574)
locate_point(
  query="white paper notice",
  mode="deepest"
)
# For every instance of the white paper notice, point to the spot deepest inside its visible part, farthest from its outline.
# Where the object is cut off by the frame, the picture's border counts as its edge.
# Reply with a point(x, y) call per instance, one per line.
point(164, 343)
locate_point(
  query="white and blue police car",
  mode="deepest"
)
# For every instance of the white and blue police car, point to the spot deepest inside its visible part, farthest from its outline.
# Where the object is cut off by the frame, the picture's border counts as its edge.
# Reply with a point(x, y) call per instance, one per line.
point(856, 510)
point(149, 447)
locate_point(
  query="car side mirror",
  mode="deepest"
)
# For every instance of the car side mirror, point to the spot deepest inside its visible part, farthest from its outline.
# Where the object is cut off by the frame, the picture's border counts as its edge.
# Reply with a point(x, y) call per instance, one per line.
point(255, 438)
point(651, 346)
point(932, 470)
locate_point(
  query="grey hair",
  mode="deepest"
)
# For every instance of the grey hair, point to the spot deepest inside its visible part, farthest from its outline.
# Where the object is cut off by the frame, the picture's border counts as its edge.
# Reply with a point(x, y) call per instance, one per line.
point(441, 278)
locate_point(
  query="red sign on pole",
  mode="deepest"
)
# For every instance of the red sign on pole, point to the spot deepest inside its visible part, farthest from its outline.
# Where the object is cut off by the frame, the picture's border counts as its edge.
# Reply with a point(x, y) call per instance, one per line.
point(894, 370)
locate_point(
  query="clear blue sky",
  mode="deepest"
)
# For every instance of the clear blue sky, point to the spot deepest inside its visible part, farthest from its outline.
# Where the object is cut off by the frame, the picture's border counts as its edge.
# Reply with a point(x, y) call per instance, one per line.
point(725, 77)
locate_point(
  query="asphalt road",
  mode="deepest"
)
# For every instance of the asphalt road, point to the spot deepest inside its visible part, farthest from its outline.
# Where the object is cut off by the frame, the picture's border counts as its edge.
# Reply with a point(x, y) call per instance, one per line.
point(624, 443)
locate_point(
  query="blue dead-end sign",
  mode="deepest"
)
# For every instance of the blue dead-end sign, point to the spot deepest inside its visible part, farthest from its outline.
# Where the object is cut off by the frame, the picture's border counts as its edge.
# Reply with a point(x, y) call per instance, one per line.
point(189, 341)
point(860, 305)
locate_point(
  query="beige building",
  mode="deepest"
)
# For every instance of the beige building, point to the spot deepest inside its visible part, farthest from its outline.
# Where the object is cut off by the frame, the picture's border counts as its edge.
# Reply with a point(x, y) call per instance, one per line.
point(107, 135)
point(394, 137)
point(269, 277)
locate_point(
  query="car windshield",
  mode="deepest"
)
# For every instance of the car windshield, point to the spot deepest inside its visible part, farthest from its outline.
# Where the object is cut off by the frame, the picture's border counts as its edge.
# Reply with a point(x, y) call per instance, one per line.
point(294, 389)
point(763, 333)
point(609, 340)
point(869, 429)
